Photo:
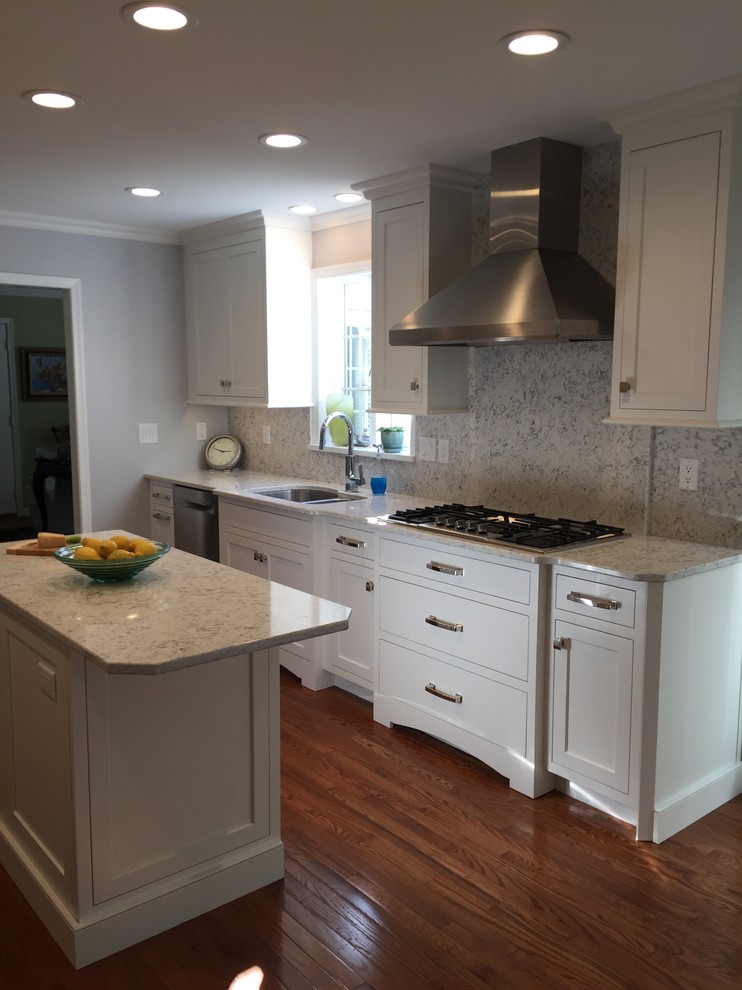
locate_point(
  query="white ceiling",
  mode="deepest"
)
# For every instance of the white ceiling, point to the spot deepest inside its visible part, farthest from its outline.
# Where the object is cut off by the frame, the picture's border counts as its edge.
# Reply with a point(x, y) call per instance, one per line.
point(376, 85)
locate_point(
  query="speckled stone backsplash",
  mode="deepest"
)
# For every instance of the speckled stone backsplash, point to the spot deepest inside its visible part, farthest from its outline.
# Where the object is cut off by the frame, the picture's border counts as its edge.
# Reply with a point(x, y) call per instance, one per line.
point(534, 439)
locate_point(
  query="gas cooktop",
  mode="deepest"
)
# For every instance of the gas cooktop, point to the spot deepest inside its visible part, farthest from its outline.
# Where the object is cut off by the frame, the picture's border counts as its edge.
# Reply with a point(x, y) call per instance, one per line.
point(513, 529)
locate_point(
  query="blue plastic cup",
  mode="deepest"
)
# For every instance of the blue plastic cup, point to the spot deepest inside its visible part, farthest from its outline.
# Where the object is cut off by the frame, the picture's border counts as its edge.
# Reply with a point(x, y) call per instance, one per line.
point(378, 484)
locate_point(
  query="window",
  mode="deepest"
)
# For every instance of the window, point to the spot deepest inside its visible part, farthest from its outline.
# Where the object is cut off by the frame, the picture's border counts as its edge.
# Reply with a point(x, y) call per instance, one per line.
point(342, 319)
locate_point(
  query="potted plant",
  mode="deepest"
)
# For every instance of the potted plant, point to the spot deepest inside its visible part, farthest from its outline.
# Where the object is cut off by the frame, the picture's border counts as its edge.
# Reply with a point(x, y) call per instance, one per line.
point(392, 437)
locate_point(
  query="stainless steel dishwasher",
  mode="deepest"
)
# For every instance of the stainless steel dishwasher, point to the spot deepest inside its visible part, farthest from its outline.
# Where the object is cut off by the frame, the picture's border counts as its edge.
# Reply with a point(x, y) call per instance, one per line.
point(196, 521)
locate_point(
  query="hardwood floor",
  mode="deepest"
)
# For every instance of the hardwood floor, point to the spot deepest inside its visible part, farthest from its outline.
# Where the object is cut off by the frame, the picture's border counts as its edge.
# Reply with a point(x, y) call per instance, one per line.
point(410, 866)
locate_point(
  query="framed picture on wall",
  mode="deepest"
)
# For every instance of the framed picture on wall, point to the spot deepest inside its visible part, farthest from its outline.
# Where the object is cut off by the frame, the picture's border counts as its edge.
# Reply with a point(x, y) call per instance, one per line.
point(44, 373)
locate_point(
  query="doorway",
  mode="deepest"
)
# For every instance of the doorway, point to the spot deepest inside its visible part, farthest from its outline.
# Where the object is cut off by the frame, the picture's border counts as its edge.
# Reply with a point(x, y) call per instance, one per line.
point(11, 489)
point(71, 293)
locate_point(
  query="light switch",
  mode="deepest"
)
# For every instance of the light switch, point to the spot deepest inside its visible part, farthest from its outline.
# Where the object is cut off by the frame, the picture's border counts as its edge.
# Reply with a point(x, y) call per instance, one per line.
point(148, 432)
point(426, 448)
point(200, 431)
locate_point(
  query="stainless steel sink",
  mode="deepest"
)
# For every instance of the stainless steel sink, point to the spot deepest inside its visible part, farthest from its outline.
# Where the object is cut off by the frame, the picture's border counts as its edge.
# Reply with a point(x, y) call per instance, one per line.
point(306, 493)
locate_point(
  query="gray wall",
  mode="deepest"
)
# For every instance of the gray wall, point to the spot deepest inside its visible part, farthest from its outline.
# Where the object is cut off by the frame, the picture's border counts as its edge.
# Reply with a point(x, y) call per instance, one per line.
point(134, 355)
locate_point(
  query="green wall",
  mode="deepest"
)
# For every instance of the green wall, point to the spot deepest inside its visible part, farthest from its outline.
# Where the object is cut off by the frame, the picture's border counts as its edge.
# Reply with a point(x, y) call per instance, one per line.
point(38, 321)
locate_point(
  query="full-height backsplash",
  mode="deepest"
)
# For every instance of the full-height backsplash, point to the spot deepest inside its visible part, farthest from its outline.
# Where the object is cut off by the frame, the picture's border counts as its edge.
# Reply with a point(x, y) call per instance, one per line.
point(534, 439)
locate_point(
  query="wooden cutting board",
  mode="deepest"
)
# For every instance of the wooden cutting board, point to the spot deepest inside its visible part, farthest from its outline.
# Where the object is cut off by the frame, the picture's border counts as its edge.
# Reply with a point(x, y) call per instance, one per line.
point(31, 548)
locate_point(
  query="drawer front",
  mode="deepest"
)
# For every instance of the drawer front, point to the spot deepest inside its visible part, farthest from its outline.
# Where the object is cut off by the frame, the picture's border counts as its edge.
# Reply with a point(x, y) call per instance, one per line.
point(161, 496)
point(492, 637)
point(280, 527)
point(355, 542)
point(487, 708)
point(595, 600)
point(455, 569)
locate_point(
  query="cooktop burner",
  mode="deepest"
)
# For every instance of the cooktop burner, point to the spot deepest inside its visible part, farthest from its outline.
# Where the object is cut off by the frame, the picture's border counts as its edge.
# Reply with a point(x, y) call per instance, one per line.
point(526, 530)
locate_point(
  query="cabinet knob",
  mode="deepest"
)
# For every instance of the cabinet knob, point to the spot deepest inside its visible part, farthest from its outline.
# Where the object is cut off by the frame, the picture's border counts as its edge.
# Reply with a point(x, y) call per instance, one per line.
point(561, 644)
point(625, 386)
point(369, 586)
point(414, 385)
point(260, 557)
point(225, 382)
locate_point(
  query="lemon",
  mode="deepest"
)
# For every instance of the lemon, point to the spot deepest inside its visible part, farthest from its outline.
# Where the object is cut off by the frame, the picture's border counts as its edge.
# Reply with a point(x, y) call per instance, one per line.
point(87, 553)
point(145, 548)
point(121, 541)
point(91, 541)
point(106, 547)
point(120, 554)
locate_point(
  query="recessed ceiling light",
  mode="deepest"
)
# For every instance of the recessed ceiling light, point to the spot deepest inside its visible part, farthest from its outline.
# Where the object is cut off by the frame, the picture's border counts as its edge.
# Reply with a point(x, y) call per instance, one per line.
point(146, 191)
point(535, 42)
point(158, 16)
point(303, 209)
point(283, 140)
point(53, 99)
point(348, 197)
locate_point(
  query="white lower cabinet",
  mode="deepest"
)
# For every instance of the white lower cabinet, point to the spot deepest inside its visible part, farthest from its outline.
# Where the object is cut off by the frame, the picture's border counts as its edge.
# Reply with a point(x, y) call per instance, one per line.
point(350, 579)
point(113, 822)
point(36, 813)
point(645, 684)
point(161, 525)
point(460, 656)
point(281, 548)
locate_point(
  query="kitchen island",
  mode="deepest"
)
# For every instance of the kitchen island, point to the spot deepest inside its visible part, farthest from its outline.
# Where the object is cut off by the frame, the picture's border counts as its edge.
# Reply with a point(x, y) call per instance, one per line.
point(139, 741)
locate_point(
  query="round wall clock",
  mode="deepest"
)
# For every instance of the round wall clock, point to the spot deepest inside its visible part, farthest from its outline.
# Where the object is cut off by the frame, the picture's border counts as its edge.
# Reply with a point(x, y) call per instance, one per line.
point(223, 453)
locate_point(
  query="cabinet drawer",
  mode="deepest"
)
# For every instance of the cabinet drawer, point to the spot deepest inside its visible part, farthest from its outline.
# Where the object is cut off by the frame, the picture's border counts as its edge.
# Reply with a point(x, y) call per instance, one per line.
point(483, 634)
point(355, 542)
point(270, 524)
point(458, 570)
point(161, 496)
point(487, 708)
point(596, 599)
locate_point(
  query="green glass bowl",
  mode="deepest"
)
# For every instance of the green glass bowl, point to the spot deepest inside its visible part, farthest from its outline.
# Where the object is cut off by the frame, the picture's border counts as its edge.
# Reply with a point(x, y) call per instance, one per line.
point(107, 571)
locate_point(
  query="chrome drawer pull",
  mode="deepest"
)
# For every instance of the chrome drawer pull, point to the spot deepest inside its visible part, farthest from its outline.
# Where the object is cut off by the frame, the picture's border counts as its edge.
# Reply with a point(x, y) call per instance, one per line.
point(435, 565)
point(346, 541)
point(592, 601)
point(161, 515)
point(455, 698)
point(260, 557)
point(166, 498)
point(433, 620)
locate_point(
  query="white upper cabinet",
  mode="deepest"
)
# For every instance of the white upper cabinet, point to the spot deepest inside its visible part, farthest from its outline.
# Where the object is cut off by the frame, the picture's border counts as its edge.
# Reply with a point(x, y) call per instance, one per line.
point(421, 241)
point(248, 316)
point(678, 335)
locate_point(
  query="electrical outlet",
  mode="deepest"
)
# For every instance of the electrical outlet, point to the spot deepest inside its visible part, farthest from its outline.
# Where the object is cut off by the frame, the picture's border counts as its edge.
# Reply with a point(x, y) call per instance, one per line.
point(443, 447)
point(200, 431)
point(688, 476)
point(266, 434)
point(426, 448)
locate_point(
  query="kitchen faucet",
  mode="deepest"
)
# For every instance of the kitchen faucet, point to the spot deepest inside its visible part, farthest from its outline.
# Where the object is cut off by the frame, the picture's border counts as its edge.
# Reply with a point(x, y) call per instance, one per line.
point(352, 480)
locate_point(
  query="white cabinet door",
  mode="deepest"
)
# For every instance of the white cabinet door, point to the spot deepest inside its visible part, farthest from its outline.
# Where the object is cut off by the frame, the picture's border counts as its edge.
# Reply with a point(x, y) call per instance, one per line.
point(352, 652)
point(227, 328)
point(664, 323)
point(399, 285)
point(591, 706)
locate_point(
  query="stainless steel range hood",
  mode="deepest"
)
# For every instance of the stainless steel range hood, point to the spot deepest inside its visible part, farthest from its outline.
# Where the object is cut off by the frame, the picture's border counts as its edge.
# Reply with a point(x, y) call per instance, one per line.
point(533, 286)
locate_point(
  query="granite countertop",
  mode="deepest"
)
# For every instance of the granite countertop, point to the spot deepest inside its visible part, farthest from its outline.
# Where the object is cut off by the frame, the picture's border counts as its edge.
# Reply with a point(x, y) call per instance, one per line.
point(635, 558)
point(179, 612)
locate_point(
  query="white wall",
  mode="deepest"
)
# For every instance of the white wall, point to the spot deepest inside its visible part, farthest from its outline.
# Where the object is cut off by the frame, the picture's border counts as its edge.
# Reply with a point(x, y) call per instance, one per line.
point(133, 337)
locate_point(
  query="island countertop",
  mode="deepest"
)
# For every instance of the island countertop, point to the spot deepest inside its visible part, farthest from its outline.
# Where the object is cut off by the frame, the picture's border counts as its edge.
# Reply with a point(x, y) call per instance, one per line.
point(181, 611)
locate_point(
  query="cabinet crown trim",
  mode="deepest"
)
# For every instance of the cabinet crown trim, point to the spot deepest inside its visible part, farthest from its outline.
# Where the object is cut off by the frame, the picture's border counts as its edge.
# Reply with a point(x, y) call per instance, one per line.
point(440, 176)
point(721, 94)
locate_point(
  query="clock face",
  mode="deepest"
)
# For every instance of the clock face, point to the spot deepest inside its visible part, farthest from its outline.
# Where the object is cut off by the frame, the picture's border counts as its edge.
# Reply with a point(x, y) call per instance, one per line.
point(223, 452)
